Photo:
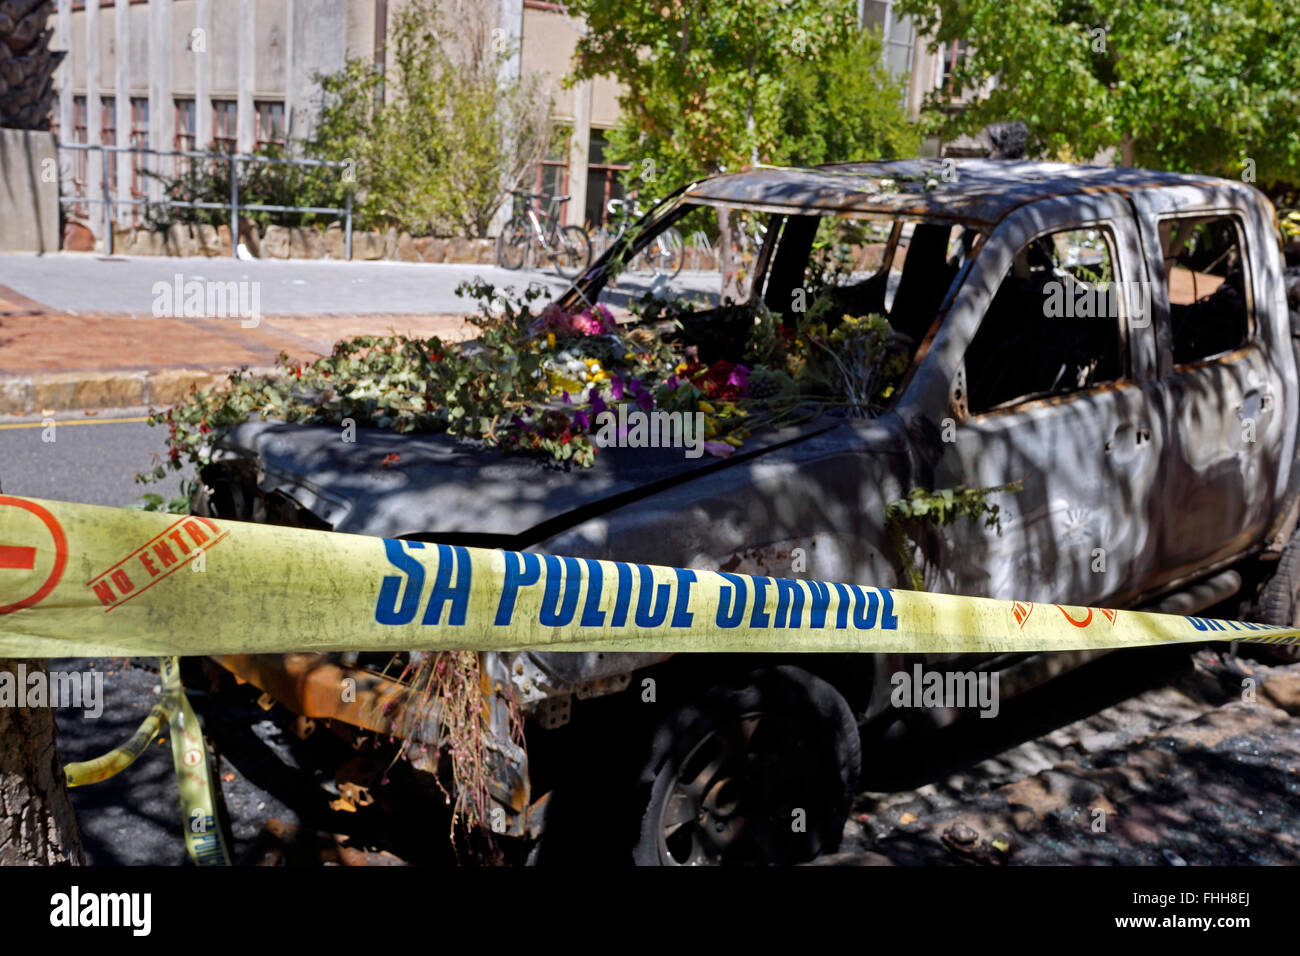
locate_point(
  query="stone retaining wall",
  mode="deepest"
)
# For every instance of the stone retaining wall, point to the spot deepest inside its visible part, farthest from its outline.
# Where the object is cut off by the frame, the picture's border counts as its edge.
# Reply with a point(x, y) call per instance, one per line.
point(300, 242)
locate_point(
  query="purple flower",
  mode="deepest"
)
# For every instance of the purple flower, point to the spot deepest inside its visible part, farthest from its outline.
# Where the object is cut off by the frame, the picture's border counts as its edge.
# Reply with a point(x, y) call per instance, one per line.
point(645, 400)
point(581, 422)
point(739, 377)
point(718, 449)
point(672, 382)
point(616, 388)
point(597, 403)
point(566, 399)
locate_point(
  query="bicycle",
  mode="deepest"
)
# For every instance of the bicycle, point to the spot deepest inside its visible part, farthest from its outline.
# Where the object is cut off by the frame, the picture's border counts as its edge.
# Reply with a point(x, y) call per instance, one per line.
point(747, 237)
point(664, 256)
point(568, 247)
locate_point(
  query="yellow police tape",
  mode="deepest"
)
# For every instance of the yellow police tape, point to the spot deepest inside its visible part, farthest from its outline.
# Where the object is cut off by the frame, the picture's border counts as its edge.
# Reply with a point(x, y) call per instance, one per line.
point(205, 839)
point(87, 581)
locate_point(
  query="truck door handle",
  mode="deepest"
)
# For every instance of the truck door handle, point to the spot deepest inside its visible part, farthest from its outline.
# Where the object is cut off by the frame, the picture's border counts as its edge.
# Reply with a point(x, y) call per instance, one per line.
point(1141, 436)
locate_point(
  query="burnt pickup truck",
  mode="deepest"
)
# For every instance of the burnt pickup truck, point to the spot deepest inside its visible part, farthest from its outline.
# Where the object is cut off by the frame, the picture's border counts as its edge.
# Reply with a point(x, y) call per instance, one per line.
point(1114, 342)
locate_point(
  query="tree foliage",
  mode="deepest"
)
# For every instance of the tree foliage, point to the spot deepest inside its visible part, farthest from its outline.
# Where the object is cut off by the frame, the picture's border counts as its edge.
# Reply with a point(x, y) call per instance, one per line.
point(844, 106)
point(1188, 85)
point(452, 136)
point(703, 80)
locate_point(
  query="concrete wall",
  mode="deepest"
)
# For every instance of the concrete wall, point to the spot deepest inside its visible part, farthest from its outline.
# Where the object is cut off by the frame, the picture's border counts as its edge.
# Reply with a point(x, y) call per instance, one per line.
point(29, 192)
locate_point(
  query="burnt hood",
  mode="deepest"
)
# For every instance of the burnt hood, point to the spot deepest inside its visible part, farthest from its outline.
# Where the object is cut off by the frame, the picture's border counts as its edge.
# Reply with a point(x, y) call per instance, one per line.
point(440, 486)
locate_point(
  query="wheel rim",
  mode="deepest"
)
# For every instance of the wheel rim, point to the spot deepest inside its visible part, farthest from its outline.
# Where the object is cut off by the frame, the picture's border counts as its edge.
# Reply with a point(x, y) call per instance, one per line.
point(573, 254)
point(731, 797)
point(514, 245)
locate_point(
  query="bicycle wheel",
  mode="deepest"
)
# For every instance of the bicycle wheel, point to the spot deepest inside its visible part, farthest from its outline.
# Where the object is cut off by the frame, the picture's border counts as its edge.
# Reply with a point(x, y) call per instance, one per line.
point(573, 253)
point(512, 244)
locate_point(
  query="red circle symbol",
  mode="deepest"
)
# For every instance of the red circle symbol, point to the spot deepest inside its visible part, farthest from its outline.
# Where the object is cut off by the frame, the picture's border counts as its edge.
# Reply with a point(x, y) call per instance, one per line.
point(22, 557)
point(1087, 618)
point(192, 758)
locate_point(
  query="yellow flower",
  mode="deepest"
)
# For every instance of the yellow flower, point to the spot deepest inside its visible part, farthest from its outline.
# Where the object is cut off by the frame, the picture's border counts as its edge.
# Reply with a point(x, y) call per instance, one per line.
point(563, 383)
point(705, 407)
point(733, 441)
point(550, 339)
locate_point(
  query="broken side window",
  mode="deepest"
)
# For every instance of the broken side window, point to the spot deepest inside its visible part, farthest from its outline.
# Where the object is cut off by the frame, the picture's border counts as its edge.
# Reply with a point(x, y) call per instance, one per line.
point(1204, 272)
point(1054, 324)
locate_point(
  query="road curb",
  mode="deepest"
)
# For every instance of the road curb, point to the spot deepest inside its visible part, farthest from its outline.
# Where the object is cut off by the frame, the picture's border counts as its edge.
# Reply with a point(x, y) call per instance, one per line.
point(77, 391)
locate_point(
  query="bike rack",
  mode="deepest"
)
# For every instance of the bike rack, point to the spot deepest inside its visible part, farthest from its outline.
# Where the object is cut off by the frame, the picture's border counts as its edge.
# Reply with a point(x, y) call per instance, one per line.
point(700, 245)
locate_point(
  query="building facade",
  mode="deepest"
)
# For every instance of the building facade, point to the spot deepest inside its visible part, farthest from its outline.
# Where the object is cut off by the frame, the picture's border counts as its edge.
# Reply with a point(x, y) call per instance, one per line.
point(221, 75)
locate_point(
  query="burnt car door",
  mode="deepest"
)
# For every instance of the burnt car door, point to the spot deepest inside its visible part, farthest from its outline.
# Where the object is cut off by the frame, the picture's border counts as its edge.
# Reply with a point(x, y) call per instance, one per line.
point(1219, 366)
point(1041, 374)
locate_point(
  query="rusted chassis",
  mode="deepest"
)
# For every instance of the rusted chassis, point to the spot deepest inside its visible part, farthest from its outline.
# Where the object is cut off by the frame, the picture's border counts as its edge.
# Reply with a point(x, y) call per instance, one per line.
point(318, 688)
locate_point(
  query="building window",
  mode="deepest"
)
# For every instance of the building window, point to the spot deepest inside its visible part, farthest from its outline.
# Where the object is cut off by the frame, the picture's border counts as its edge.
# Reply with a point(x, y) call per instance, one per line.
point(139, 161)
point(950, 58)
point(553, 172)
point(225, 126)
point(108, 133)
point(79, 156)
point(602, 181)
point(140, 139)
point(185, 118)
point(897, 33)
point(78, 119)
point(270, 124)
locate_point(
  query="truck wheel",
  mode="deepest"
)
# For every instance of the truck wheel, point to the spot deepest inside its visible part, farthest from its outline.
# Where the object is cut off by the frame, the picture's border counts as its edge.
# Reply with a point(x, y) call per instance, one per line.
point(1279, 603)
point(760, 773)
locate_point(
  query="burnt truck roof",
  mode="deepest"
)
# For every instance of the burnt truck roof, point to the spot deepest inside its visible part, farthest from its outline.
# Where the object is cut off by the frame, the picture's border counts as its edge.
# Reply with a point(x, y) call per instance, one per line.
point(982, 192)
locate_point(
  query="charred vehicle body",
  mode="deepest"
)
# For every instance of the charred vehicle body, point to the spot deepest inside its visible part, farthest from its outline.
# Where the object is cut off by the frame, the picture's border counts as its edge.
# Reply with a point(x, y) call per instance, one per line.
point(1115, 343)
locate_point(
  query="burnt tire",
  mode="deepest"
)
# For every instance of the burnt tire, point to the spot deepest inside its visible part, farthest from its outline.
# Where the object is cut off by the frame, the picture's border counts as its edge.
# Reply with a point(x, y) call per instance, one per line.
point(1279, 603)
point(761, 772)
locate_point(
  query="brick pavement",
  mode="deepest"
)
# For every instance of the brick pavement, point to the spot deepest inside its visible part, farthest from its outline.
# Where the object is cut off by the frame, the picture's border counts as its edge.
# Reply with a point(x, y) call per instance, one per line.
point(52, 360)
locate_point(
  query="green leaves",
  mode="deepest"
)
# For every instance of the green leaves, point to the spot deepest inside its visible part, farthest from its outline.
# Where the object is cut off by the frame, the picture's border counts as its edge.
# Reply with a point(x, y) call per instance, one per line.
point(905, 518)
point(1169, 84)
point(703, 80)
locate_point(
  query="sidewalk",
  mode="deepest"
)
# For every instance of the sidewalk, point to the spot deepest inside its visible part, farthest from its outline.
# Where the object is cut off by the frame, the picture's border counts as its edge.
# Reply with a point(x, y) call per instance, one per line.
point(60, 361)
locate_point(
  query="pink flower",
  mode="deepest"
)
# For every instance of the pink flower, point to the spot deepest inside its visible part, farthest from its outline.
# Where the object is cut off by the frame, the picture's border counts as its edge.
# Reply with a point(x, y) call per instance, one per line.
point(719, 449)
point(616, 388)
point(739, 377)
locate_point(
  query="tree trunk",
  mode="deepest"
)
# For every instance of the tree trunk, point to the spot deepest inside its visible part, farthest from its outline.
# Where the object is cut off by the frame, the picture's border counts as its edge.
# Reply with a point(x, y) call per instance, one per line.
point(728, 263)
point(1128, 152)
point(27, 64)
point(37, 825)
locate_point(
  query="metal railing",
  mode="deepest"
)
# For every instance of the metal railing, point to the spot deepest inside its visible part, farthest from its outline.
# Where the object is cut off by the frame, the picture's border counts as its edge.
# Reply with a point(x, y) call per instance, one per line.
point(109, 199)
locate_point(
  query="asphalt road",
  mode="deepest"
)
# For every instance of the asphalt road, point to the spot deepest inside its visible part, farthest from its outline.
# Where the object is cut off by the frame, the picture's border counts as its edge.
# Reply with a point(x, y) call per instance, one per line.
point(84, 282)
point(90, 460)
